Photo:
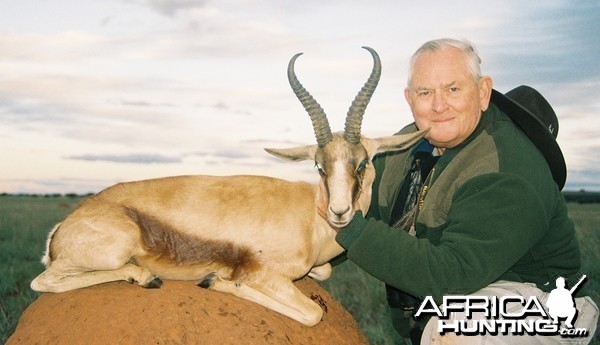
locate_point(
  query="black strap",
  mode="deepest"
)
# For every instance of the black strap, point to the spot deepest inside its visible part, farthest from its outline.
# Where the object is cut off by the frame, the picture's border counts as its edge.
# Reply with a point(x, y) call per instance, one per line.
point(408, 196)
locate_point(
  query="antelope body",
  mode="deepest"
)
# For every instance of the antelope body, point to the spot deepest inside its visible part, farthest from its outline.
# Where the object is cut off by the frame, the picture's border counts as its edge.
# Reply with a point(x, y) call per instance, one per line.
point(250, 236)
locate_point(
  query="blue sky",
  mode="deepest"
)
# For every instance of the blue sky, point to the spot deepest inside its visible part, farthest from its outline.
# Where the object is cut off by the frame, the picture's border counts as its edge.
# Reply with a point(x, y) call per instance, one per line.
point(97, 92)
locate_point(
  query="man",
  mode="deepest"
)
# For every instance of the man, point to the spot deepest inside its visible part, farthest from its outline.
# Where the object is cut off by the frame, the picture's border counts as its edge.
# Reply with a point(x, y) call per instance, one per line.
point(473, 205)
point(560, 302)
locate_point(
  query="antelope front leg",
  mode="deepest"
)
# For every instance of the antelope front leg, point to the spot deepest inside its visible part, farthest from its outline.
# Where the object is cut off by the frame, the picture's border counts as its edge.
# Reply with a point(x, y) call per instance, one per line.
point(278, 294)
point(321, 273)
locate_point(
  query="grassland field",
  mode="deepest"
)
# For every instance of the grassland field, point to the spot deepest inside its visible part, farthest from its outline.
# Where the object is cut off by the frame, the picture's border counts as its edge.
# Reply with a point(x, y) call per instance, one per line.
point(26, 220)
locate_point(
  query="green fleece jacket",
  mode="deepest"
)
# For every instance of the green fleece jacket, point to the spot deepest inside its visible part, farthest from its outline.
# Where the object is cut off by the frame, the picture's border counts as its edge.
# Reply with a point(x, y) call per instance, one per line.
point(492, 212)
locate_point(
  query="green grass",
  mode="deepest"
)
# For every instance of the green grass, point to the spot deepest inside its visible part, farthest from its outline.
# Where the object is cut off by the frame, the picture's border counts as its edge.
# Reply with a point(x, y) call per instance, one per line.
point(25, 222)
point(364, 297)
point(587, 224)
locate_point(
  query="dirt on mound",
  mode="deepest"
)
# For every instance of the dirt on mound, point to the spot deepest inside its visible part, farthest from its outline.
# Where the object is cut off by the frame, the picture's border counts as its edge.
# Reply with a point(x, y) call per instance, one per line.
point(177, 313)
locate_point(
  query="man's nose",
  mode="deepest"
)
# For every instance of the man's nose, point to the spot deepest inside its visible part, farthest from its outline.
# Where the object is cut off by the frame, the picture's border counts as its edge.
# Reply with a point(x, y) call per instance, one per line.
point(439, 102)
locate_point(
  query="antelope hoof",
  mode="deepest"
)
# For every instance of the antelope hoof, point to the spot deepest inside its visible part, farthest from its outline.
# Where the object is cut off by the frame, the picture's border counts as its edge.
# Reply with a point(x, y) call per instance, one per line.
point(155, 283)
point(208, 281)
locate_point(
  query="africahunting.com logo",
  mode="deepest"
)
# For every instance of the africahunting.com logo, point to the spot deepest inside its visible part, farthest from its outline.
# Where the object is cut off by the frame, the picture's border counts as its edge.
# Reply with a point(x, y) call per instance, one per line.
point(508, 315)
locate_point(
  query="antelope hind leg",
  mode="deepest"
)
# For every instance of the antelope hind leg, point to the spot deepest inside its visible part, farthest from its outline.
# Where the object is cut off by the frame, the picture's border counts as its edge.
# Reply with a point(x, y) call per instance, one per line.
point(58, 278)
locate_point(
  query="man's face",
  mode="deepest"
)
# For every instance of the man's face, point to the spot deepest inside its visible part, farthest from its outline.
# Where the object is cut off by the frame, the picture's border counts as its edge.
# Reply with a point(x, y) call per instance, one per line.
point(445, 97)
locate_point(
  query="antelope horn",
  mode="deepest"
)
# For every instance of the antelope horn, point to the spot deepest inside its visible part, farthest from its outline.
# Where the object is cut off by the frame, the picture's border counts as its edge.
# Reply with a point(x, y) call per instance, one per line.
point(357, 109)
point(316, 113)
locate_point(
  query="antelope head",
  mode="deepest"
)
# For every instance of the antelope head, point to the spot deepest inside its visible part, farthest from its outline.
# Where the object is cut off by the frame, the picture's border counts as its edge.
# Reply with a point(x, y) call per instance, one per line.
point(343, 159)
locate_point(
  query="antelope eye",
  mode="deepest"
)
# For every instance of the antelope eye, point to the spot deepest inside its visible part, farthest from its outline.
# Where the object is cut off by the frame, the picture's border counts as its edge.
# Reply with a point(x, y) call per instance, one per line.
point(362, 166)
point(320, 169)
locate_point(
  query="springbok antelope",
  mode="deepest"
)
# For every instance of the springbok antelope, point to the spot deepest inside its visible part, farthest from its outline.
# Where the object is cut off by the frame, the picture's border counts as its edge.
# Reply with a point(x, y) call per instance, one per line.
point(249, 236)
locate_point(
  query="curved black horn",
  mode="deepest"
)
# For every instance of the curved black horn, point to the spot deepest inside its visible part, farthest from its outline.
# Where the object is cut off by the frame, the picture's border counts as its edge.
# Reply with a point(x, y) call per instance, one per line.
point(357, 109)
point(316, 113)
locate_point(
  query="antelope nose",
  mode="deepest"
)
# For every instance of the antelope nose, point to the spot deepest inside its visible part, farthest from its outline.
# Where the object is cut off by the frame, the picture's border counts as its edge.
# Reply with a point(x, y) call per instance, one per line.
point(340, 213)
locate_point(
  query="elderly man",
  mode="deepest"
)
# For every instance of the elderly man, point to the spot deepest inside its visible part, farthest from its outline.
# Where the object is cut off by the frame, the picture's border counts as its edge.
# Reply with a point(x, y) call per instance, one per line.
point(476, 207)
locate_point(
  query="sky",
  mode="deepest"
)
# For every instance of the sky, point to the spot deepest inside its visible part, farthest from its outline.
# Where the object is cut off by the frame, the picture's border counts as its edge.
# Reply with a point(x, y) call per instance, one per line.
point(93, 93)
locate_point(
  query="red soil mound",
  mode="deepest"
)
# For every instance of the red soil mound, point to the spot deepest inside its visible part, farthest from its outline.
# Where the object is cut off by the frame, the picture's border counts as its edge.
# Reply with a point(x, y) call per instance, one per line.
point(177, 313)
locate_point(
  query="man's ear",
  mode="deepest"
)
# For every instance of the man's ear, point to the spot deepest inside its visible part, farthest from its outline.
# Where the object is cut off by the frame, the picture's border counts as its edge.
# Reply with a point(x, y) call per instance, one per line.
point(295, 154)
point(407, 96)
point(485, 92)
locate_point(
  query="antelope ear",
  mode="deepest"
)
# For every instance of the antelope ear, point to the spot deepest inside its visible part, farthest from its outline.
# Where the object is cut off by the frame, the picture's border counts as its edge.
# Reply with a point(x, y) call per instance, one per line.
point(295, 154)
point(392, 143)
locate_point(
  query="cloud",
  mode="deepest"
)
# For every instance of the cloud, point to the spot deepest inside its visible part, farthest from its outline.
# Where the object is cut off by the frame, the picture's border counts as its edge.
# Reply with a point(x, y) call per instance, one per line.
point(134, 158)
point(553, 44)
point(238, 155)
point(170, 8)
point(583, 179)
point(191, 28)
point(141, 103)
point(174, 76)
point(231, 154)
point(281, 143)
point(227, 154)
point(222, 106)
point(51, 47)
